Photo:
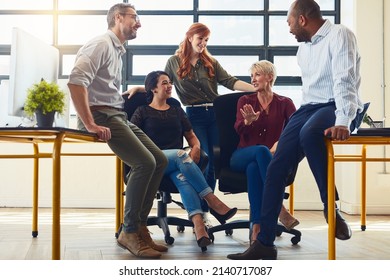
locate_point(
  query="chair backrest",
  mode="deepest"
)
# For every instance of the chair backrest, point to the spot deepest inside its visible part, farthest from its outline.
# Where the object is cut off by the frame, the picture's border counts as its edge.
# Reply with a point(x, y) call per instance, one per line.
point(225, 107)
point(139, 99)
point(130, 105)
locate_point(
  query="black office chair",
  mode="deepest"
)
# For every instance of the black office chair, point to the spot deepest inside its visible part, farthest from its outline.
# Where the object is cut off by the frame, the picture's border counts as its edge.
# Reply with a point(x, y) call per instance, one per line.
point(230, 181)
point(167, 187)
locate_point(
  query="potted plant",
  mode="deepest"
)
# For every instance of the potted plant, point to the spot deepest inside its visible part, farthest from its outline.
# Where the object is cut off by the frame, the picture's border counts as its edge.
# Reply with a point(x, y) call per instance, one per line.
point(44, 99)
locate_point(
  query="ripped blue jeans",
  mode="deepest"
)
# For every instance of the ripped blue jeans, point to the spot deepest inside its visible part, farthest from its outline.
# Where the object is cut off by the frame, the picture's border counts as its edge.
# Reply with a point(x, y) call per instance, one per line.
point(188, 179)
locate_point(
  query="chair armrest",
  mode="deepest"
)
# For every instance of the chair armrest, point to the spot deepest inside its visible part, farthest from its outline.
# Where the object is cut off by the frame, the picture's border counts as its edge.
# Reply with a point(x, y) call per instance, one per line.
point(204, 160)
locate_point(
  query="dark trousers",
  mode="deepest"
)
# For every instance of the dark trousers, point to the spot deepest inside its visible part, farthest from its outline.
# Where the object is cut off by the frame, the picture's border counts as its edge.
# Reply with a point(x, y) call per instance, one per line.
point(303, 136)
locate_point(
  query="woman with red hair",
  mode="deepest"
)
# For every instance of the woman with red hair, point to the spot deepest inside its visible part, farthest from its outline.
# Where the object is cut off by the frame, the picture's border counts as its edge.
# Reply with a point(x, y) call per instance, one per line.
point(196, 75)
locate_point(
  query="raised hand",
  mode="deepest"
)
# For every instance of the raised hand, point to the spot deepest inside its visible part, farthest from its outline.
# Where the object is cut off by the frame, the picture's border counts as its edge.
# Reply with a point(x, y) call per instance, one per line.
point(249, 114)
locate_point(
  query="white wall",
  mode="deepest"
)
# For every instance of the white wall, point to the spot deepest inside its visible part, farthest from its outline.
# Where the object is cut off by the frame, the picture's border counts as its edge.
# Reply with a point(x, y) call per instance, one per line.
point(86, 181)
point(91, 182)
point(372, 39)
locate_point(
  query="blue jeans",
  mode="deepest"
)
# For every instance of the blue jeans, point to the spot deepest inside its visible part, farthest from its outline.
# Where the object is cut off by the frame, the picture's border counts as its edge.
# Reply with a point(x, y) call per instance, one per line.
point(253, 161)
point(188, 179)
point(204, 124)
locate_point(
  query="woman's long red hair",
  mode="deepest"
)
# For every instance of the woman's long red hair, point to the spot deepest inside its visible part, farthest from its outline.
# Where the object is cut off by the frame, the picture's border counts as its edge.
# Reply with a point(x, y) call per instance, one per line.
point(185, 50)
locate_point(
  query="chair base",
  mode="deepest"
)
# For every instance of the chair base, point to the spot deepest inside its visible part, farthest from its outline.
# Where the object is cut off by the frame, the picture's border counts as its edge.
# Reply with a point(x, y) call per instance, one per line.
point(240, 224)
point(296, 233)
point(165, 222)
point(228, 227)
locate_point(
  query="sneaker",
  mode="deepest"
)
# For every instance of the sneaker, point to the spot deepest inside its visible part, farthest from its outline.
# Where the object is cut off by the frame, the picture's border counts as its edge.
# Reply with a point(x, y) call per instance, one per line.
point(135, 245)
point(145, 235)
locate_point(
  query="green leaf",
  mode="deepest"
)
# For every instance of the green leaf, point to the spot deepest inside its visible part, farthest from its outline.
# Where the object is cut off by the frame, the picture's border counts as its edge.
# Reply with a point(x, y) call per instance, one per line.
point(45, 96)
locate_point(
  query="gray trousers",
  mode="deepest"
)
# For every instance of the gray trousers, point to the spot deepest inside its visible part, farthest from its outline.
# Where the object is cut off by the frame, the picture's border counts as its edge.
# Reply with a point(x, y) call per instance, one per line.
point(146, 160)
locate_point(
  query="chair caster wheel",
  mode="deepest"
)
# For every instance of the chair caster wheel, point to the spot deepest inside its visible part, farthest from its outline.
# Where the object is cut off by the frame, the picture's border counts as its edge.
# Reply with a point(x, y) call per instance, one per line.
point(295, 240)
point(211, 236)
point(229, 232)
point(169, 240)
point(180, 228)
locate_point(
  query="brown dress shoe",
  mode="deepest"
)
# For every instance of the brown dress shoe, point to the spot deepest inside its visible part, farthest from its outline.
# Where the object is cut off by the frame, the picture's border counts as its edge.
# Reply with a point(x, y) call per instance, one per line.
point(343, 231)
point(256, 251)
point(145, 235)
point(135, 245)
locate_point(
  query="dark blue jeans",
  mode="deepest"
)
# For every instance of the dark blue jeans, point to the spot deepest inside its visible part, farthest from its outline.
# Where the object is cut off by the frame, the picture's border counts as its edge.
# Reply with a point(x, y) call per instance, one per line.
point(254, 161)
point(303, 136)
point(205, 127)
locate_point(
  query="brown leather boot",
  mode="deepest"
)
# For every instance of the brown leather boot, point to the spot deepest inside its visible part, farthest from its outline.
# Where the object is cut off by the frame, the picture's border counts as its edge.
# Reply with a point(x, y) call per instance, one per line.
point(145, 235)
point(138, 247)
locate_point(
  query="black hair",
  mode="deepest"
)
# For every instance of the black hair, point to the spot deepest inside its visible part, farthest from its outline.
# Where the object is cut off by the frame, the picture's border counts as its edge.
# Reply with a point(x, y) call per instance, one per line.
point(151, 81)
point(307, 8)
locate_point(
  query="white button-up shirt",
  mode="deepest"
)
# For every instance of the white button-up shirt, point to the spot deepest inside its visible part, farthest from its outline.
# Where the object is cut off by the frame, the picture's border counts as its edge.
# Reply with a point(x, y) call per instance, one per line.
point(98, 67)
point(330, 66)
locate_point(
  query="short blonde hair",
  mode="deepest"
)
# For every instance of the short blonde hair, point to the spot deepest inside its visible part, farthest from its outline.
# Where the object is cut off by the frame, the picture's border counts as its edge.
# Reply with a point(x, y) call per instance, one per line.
point(265, 67)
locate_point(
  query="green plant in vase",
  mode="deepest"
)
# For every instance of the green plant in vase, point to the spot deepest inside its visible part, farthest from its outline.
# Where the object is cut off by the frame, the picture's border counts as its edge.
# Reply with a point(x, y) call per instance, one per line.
point(44, 99)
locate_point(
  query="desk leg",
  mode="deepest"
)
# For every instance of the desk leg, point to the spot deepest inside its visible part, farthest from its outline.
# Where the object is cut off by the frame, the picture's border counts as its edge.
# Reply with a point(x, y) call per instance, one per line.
point(119, 196)
point(291, 200)
point(56, 234)
point(35, 191)
point(331, 202)
point(364, 189)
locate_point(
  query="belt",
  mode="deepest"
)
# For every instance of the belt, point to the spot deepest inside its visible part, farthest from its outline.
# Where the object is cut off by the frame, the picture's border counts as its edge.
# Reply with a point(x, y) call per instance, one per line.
point(101, 107)
point(201, 105)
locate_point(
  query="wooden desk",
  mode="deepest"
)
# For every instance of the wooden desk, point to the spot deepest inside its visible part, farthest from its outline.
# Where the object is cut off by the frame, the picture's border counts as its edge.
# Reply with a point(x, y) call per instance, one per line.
point(57, 136)
point(364, 137)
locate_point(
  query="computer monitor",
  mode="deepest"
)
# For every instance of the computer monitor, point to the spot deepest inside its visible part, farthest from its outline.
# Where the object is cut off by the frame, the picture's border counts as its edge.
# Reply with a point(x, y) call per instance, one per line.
point(31, 60)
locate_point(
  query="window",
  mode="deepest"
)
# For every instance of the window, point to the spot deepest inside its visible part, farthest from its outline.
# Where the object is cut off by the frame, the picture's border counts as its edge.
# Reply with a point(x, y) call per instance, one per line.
point(240, 33)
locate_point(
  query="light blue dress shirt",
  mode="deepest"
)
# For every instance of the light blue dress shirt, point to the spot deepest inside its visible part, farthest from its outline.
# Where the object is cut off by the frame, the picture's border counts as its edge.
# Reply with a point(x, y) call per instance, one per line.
point(330, 66)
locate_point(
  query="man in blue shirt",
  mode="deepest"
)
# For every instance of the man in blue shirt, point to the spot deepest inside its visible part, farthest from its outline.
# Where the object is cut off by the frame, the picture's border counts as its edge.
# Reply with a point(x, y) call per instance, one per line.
point(330, 65)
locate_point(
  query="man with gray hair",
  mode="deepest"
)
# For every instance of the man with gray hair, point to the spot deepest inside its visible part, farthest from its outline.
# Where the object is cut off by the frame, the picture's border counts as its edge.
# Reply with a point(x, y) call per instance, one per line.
point(94, 85)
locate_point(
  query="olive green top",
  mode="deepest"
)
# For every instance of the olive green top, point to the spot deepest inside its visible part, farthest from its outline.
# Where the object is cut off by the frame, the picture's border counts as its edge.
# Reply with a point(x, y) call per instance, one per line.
point(200, 88)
